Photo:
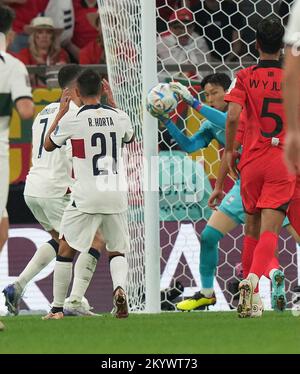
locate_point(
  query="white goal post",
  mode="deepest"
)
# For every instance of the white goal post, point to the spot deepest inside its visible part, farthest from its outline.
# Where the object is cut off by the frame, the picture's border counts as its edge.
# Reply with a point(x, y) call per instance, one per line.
point(156, 40)
point(129, 33)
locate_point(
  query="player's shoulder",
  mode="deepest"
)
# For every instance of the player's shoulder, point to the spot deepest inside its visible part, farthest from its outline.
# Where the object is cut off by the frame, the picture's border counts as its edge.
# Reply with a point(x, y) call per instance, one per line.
point(12, 61)
point(243, 73)
point(50, 109)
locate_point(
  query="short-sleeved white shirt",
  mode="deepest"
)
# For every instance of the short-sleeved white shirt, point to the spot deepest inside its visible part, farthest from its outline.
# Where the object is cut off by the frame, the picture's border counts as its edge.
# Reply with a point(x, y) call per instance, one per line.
point(14, 85)
point(97, 134)
point(292, 34)
point(50, 173)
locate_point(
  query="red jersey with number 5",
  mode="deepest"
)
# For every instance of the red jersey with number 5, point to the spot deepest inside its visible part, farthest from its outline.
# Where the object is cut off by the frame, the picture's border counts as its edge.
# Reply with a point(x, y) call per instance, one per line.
point(258, 90)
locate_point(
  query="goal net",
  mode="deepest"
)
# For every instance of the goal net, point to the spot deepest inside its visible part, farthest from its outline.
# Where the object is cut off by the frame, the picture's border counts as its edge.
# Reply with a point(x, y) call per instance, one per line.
point(194, 38)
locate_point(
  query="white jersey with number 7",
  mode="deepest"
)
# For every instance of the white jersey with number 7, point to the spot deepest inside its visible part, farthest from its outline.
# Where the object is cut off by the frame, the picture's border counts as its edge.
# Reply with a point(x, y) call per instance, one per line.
point(51, 173)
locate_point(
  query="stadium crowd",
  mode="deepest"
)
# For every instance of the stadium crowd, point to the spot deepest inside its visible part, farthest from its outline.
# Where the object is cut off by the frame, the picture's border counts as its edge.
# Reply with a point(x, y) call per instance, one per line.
point(48, 32)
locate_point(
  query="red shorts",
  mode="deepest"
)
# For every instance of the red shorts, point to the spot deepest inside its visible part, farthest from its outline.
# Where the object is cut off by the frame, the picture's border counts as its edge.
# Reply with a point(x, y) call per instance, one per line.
point(293, 212)
point(266, 183)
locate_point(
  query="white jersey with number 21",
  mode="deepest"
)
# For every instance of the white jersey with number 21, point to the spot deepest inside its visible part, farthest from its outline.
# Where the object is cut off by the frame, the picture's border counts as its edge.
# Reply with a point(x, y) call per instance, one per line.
point(97, 134)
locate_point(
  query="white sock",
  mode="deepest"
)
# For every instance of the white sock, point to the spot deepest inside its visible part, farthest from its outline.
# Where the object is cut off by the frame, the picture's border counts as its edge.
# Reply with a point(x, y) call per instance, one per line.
point(271, 273)
point(61, 281)
point(118, 271)
point(253, 278)
point(83, 271)
point(207, 292)
point(42, 257)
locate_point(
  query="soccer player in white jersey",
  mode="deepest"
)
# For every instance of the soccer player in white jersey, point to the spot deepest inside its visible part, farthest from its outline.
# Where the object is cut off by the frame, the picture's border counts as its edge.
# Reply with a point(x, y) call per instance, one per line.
point(99, 197)
point(47, 194)
point(14, 89)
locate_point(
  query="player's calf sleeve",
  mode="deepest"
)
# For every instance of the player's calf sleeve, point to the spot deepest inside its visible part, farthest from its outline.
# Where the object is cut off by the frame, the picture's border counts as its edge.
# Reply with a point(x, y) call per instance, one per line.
point(83, 271)
point(247, 255)
point(271, 267)
point(263, 254)
point(61, 281)
point(209, 255)
point(118, 270)
point(42, 257)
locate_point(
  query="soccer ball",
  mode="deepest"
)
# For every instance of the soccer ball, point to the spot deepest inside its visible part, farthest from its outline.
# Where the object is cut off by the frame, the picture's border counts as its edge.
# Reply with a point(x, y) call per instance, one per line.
point(161, 99)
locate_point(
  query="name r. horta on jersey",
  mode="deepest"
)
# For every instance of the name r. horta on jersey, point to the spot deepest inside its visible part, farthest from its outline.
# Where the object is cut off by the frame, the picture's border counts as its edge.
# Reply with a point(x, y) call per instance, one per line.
point(102, 121)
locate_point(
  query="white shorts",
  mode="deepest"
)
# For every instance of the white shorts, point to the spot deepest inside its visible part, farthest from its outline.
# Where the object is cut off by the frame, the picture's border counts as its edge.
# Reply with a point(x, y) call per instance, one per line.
point(48, 212)
point(79, 229)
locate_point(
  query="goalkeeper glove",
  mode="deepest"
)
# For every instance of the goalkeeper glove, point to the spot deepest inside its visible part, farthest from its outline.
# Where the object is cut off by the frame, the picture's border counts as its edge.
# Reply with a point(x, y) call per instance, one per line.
point(182, 91)
point(163, 117)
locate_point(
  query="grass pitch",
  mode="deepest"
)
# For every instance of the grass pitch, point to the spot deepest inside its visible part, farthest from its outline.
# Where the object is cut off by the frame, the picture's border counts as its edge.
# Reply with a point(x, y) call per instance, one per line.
point(196, 332)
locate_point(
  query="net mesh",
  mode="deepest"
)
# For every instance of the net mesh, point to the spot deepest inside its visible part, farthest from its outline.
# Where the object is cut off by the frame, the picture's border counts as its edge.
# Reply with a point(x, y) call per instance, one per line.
point(204, 37)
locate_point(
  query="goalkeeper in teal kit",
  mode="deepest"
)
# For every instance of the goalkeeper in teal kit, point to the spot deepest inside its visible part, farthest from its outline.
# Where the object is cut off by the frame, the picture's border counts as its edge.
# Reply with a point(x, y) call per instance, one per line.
point(230, 213)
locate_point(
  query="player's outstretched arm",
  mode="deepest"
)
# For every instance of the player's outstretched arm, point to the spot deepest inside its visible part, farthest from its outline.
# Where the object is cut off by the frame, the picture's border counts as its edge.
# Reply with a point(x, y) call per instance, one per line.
point(216, 116)
point(217, 195)
point(234, 111)
point(187, 144)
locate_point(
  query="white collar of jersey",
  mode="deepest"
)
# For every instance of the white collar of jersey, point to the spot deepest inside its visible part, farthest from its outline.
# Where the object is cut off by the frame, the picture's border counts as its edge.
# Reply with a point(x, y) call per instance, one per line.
point(73, 105)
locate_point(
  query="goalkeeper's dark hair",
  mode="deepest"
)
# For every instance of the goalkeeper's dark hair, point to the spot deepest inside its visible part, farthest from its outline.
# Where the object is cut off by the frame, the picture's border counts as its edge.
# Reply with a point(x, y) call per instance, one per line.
point(219, 79)
point(67, 74)
point(269, 35)
point(7, 15)
point(89, 83)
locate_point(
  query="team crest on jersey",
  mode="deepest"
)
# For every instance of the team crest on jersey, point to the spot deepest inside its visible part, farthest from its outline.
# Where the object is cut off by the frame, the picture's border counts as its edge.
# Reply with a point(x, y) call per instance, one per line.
point(48, 111)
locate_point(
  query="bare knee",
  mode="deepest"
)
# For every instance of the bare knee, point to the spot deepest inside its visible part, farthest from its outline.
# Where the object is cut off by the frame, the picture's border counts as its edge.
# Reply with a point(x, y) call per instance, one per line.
point(98, 242)
point(65, 250)
point(272, 220)
point(54, 235)
point(252, 226)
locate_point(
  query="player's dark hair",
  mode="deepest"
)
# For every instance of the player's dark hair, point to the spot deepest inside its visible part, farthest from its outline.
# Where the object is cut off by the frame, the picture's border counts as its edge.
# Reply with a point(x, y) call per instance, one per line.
point(7, 15)
point(219, 79)
point(68, 74)
point(269, 35)
point(89, 83)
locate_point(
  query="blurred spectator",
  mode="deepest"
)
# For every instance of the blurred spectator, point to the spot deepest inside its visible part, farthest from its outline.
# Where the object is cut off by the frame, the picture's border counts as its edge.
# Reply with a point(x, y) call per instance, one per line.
point(93, 52)
point(62, 14)
point(219, 22)
point(164, 10)
point(44, 48)
point(25, 11)
point(83, 31)
point(181, 45)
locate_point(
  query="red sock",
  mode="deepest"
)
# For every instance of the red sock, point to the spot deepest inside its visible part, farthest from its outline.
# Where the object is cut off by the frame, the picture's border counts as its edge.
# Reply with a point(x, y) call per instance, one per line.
point(264, 253)
point(273, 264)
point(248, 250)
